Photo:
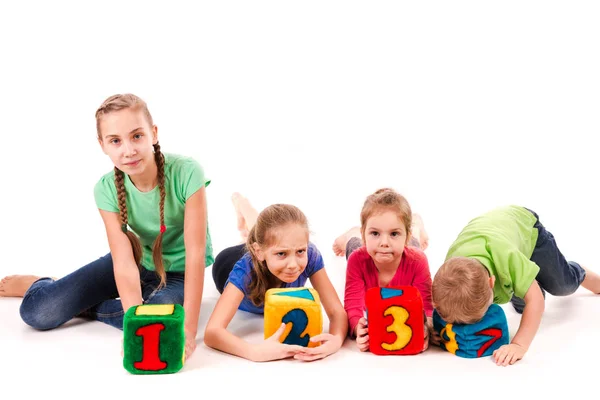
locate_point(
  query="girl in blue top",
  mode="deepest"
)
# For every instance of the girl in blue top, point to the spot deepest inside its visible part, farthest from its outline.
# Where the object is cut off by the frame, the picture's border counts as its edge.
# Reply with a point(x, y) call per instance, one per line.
point(277, 254)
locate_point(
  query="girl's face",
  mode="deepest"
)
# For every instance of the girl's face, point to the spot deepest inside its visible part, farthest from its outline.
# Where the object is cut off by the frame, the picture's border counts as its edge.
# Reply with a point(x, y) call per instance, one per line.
point(287, 257)
point(385, 237)
point(127, 139)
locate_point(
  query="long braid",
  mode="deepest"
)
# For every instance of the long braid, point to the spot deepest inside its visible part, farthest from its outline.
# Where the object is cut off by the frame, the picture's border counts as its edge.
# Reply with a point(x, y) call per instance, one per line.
point(157, 247)
point(119, 102)
point(136, 246)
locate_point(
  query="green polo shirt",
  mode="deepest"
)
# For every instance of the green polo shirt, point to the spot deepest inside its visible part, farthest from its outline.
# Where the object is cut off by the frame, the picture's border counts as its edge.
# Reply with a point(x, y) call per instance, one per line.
point(503, 241)
point(183, 177)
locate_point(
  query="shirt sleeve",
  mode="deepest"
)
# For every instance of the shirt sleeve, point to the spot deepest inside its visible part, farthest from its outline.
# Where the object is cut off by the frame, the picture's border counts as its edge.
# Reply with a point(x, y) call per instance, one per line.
point(191, 178)
point(240, 275)
point(354, 293)
point(422, 281)
point(105, 194)
point(522, 272)
point(315, 260)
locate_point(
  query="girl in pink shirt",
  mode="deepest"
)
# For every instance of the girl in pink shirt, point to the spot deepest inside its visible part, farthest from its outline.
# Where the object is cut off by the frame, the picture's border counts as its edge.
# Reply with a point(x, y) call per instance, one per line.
point(392, 255)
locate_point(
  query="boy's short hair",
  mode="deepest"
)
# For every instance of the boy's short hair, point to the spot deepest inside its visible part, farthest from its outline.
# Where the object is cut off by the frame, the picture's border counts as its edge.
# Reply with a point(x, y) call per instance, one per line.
point(461, 291)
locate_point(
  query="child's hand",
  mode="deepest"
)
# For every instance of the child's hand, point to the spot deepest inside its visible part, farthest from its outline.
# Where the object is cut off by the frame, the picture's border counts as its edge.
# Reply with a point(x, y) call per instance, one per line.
point(190, 343)
point(271, 349)
point(508, 354)
point(426, 332)
point(434, 337)
point(329, 345)
point(362, 335)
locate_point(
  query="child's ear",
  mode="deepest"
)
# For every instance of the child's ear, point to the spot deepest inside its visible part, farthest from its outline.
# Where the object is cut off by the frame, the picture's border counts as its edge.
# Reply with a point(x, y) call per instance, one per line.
point(258, 251)
point(154, 134)
point(492, 281)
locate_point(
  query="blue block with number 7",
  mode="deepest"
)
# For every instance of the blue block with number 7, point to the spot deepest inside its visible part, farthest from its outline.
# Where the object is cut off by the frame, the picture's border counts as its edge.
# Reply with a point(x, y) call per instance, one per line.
point(474, 340)
point(300, 309)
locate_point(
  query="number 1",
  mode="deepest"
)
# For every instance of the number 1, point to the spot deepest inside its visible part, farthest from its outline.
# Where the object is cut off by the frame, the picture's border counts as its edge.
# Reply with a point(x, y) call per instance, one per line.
point(151, 348)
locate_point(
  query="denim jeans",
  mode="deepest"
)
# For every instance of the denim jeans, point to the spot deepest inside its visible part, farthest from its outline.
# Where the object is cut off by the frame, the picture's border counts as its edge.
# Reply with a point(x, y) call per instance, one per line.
point(91, 292)
point(557, 276)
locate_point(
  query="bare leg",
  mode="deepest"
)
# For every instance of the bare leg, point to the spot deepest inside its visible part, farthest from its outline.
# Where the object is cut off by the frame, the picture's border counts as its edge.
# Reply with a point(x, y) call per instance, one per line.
point(591, 281)
point(339, 245)
point(246, 214)
point(16, 285)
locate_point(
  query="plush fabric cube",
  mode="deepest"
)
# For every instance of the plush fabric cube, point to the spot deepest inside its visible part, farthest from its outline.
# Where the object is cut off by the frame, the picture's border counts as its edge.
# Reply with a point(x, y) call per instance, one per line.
point(396, 320)
point(299, 309)
point(154, 339)
point(474, 340)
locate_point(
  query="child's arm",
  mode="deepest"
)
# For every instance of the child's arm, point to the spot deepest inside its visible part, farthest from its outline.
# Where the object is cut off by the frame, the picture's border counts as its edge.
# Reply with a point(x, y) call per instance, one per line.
point(354, 293)
point(338, 320)
point(127, 274)
point(422, 281)
point(217, 336)
point(530, 322)
point(194, 236)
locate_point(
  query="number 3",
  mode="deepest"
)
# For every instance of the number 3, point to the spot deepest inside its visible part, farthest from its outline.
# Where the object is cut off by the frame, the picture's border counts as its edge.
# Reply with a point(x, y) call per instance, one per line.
point(398, 326)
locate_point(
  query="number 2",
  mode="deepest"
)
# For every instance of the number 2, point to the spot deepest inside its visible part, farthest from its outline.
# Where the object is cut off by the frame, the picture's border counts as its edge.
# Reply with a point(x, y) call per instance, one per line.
point(299, 321)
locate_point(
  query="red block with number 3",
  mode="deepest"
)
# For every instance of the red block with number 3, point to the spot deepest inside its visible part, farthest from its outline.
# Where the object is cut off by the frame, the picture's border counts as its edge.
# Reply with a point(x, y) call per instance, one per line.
point(396, 320)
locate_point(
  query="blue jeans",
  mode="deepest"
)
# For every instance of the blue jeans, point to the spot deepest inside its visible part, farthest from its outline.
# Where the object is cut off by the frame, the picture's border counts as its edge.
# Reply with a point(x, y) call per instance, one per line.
point(91, 292)
point(557, 276)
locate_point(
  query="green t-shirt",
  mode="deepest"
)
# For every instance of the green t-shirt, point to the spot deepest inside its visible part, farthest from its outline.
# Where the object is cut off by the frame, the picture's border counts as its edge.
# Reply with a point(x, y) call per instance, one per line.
point(183, 177)
point(503, 241)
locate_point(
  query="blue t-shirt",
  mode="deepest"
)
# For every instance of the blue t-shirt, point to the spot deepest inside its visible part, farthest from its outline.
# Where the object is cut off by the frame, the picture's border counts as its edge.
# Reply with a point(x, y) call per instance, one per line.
point(240, 276)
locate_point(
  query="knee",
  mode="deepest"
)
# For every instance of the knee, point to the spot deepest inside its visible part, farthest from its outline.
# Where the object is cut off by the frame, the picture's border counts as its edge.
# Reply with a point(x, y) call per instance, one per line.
point(564, 289)
point(39, 316)
point(167, 297)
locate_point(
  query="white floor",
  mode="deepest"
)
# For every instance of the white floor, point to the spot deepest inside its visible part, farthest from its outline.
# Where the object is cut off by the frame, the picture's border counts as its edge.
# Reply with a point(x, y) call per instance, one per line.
point(85, 355)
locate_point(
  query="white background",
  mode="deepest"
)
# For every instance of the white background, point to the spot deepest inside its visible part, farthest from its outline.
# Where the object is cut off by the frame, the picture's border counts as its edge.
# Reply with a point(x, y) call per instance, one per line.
point(461, 106)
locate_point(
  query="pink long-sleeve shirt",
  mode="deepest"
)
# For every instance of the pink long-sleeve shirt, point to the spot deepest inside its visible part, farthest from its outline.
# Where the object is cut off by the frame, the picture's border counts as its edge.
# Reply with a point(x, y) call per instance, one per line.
point(362, 274)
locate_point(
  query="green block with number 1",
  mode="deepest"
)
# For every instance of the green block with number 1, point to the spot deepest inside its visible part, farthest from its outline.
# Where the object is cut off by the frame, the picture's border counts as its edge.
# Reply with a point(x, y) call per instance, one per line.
point(154, 339)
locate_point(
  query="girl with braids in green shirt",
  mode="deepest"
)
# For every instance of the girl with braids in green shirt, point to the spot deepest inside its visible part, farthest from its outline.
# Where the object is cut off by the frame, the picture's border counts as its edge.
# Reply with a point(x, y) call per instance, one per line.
point(145, 203)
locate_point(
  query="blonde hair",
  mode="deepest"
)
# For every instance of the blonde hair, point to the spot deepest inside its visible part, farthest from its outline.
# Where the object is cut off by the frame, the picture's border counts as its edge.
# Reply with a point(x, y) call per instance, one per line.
point(119, 102)
point(461, 291)
point(386, 199)
point(264, 233)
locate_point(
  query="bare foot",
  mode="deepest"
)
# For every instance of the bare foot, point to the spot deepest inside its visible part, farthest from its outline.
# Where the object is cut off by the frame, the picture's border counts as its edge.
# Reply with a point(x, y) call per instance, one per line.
point(418, 230)
point(591, 281)
point(16, 285)
point(246, 214)
point(339, 244)
point(241, 222)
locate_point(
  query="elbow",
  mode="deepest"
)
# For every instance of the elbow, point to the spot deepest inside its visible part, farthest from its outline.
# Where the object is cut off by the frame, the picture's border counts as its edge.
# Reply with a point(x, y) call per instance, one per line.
point(210, 337)
point(126, 274)
point(340, 317)
point(195, 254)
